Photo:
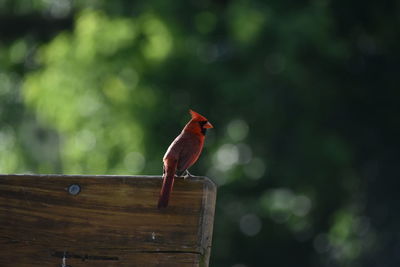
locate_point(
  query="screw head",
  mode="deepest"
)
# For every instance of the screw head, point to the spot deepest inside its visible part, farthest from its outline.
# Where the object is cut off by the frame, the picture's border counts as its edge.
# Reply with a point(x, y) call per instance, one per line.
point(74, 189)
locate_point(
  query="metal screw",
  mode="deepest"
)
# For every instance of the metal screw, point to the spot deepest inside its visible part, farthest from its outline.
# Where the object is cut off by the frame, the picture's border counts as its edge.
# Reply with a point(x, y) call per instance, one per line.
point(74, 189)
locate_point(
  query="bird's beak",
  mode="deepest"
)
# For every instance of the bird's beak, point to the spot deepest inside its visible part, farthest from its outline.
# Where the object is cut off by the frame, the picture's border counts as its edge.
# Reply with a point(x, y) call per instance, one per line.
point(208, 125)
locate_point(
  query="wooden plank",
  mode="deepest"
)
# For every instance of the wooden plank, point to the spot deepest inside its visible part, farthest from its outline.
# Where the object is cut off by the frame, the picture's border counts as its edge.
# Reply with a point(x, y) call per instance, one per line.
point(112, 221)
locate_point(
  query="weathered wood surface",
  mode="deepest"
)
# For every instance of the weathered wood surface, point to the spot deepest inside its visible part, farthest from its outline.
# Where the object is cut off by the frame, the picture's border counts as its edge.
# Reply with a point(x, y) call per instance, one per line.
point(113, 221)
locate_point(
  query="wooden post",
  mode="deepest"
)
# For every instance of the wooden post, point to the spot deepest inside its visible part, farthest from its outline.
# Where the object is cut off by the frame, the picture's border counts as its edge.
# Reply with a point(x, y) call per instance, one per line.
point(71, 220)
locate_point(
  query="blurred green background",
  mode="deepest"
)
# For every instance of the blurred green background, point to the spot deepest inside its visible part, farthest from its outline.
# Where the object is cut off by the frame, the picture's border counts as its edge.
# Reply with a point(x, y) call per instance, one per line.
point(303, 96)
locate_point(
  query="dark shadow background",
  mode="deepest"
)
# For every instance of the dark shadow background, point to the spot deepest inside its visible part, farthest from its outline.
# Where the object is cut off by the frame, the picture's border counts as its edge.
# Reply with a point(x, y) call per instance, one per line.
point(303, 96)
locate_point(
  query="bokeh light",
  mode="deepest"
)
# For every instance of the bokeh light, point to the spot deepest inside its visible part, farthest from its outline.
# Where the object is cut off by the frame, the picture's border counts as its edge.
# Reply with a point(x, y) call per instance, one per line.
point(250, 224)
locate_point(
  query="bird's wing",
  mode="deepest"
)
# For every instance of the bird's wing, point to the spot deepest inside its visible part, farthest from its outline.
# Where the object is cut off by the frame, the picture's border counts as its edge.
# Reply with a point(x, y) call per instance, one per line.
point(189, 152)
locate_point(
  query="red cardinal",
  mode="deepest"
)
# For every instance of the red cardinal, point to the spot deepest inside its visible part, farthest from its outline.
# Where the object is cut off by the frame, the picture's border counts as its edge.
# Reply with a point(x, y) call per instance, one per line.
point(183, 153)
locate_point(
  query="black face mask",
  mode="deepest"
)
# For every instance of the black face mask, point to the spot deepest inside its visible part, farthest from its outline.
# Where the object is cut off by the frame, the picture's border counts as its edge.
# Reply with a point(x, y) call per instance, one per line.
point(203, 130)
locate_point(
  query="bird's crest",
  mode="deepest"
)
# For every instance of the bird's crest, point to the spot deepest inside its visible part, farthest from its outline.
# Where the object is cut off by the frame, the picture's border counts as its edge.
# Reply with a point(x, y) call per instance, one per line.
point(196, 116)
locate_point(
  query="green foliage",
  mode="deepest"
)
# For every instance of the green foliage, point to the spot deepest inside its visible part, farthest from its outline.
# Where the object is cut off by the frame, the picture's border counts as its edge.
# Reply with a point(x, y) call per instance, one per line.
point(302, 96)
point(90, 90)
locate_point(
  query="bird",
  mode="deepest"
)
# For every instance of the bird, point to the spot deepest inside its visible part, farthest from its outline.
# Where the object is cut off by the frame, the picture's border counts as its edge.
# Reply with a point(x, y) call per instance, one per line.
point(183, 153)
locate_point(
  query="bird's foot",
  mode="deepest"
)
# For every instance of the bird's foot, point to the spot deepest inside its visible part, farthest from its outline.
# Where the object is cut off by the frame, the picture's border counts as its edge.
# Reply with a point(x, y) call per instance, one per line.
point(187, 175)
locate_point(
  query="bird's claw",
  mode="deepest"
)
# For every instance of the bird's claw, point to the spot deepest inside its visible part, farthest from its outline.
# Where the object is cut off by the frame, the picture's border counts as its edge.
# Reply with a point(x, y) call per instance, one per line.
point(187, 175)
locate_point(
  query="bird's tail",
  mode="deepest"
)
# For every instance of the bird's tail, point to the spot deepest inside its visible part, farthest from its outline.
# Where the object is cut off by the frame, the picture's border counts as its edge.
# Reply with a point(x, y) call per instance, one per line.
point(168, 183)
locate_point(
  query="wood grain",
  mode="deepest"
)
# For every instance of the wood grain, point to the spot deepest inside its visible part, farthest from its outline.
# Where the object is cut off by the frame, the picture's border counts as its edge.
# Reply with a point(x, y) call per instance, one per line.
point(113, 221)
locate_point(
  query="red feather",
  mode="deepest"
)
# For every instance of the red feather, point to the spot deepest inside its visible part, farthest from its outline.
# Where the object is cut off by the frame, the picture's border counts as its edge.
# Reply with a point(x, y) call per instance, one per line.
point(183, 153)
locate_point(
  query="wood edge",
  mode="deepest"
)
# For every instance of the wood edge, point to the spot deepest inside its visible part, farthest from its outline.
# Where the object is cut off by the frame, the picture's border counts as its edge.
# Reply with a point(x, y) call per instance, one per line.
point(192, 179)
point(207, 219)
point(12, 175)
